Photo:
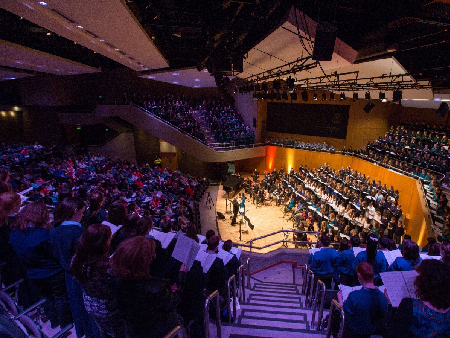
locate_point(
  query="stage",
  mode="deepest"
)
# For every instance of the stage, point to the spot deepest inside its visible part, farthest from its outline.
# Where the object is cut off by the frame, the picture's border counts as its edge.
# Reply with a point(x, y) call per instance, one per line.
point(266, 219)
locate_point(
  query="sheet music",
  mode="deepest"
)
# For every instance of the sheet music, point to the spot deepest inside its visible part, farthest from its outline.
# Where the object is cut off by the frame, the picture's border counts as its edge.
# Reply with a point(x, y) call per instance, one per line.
point(205, 259)
point(201, 238)
point(313, 251)
point(392, 255)
point(114, 228)
point(186, 250)
point(399, 285)
point(347, 289)
point(425, 256)
point(164, 238)
point(357, 250)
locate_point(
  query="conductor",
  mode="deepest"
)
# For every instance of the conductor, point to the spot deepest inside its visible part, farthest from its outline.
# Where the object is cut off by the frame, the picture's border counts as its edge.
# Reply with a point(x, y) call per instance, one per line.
point(255, 175)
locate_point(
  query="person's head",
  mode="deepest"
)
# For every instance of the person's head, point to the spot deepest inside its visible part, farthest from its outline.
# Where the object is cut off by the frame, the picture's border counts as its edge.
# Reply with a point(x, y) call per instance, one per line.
point(432, 283)
point(445, 253)
point(96, 201)
point(92, 245)
point(355, 241)
point(132, 259)
point(191, 232)
point(372, 244)
point(34, 214)
point(227, 245)
point(383, 243)
point(365, 273)
point(213, 243)
point(144, 225)
point(344, 245)
point(9, 204)
point(325, 240)
point(410, 251)
point(209, 234)
point(407, 237)
point(117, 213)
point(70, 209)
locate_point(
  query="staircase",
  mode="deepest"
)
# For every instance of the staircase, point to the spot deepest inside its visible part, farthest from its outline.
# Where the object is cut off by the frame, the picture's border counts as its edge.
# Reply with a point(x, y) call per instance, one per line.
point(209, 138)
point(273, 308)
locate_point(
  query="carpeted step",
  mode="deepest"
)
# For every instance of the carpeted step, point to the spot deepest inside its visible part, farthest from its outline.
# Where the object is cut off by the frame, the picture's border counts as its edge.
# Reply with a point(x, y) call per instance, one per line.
point(273, 324)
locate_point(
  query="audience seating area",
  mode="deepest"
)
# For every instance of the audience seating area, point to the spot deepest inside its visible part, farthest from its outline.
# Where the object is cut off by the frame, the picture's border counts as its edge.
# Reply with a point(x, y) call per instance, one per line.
point(227, 124)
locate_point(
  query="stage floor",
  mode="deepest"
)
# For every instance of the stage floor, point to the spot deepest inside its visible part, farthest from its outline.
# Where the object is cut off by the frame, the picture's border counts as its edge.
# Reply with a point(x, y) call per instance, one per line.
point(266, 219)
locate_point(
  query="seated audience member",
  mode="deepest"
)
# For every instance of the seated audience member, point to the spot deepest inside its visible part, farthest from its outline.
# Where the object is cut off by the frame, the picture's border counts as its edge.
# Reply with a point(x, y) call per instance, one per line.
point(365, 309)
point(345, 264)
point(430, 242)
point(90, 266)
point(324, 262)
point(373, 257)
point(95, 213)
point(147, 304)
point(30, 238)
point(411, 257)
point(429, 315)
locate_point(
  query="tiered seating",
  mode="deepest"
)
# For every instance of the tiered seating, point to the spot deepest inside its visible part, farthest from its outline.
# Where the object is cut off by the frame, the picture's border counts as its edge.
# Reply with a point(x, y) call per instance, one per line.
point(438, 207)
point(291, 143)
point(227, 124)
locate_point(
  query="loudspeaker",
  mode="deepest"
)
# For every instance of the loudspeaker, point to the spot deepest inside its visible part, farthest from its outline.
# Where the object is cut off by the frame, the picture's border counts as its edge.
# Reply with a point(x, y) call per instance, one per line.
point(324, 41)
point(254, 122)
point(220, 215)
point(442, 110)
point(368, 107)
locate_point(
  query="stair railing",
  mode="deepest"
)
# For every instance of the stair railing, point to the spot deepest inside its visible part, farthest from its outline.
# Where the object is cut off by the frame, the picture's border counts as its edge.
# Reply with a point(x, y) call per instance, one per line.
point(248, 273)
point(335, 305)
point(241, 282)
point(304, 274)
point(309, 288)
point(318, 305)
point(229, 291)
point(176, 332)
point(215, 296)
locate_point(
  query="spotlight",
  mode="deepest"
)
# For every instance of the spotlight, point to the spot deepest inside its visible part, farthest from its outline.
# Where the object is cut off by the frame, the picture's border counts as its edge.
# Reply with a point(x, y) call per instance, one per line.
point(255, 96)
point(397, 95)
point(331, 96)
point(324, 96)
point(290, 83)
point(284, 96)
point(342, 96)
point(257, 87)
point(382, 96)
point(276, 84)
point(315, 96)
point(277, 96)
point(355, 97)
point(305, 95)
point(294, 96)
point(264, 86)
point(367, 96)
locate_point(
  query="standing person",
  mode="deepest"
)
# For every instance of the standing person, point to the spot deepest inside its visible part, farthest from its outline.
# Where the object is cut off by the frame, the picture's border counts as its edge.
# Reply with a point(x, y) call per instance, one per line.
point(147, 304)
point(373, 257)
point(364, 309)
point(428, 316)
point(410, 257)
point(324, 262)
point(345, 264)
point(90, 266)
point(30, 237)
point(64, 237)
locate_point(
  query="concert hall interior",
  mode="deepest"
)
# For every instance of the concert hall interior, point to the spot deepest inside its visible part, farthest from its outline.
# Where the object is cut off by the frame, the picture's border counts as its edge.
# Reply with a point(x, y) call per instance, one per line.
point(231, 169)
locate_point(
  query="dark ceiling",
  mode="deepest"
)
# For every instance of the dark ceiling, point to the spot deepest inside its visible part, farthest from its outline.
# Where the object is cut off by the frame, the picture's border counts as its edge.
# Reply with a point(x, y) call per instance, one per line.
point(213, 34)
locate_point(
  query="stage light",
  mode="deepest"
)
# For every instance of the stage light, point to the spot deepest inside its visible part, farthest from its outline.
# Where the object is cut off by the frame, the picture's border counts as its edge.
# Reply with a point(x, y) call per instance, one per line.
point(382, 96)
point(315, 96)
point(284, 96)
point(367, 96)
point(276, 84)
point(305, 95)
point(324, 96)
point(355, 97)
point(257, 87)
point(277, 96)
point(264, 86)
point(255, 96)
point(42, 3)
point(342, 96)
point(12, 114)
point(331, 96)
point(294, 96)
point(290, 83)
point(3, 113)
point(397, 95)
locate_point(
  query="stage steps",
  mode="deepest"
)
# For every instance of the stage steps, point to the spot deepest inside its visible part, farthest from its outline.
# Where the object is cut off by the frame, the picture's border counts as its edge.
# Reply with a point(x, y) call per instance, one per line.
point(274, 308)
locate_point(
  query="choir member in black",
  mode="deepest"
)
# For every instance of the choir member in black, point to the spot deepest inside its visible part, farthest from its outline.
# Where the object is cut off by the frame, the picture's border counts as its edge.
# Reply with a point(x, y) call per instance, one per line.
point(255, 175)
point(235, 210)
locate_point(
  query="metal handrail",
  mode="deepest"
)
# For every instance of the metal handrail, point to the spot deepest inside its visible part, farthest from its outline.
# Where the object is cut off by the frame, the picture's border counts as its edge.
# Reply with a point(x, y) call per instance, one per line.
point(304, 274)
point(335, 304)
point(320, 287)
point(293, 273)
point(215, 296)
point(231, 279)
point(309, 288)
point(241, 281)
point(176, 331)
point(248, 273)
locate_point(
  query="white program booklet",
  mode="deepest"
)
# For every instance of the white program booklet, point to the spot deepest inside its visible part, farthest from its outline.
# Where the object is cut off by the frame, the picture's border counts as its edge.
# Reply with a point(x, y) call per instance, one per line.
point(399, 285)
